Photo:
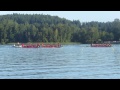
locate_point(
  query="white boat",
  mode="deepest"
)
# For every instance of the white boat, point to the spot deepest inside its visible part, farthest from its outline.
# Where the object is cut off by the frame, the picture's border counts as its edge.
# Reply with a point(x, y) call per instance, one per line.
point(17, 46)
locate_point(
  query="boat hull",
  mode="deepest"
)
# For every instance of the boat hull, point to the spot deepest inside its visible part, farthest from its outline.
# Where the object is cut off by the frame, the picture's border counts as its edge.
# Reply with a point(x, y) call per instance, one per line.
point(38, 46)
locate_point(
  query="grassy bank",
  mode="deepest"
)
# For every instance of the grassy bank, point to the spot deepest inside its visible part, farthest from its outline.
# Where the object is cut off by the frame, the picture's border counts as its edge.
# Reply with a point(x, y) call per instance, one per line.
point(70, 43)
point(63, 43)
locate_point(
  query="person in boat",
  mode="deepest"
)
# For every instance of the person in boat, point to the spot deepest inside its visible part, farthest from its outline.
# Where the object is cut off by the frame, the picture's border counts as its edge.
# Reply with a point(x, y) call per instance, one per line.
point(43, 45)
point(17, 44)
point(38, 45)
point(22, 45)
point(59, 45)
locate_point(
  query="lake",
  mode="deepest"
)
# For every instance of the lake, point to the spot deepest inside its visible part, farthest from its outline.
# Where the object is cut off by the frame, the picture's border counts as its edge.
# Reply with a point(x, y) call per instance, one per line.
point(67, 62)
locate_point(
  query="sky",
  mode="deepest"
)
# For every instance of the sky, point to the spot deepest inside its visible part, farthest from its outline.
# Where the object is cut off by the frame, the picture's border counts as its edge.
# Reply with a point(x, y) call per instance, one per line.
point(82, 16)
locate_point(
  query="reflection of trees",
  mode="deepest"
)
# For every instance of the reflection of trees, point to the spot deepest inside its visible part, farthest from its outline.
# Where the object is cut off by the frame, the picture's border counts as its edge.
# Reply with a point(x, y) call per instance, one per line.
point(116, 55)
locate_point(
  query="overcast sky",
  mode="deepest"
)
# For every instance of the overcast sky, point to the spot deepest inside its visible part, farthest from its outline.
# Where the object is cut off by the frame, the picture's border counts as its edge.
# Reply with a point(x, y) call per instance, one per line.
point(82, 16)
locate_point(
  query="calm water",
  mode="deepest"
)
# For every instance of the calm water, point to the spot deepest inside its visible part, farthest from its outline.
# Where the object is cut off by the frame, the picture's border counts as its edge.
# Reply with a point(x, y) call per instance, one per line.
point(68, 62)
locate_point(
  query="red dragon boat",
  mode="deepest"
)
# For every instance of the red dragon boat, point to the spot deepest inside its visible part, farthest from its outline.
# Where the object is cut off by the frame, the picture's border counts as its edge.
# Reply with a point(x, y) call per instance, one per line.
point(37, 45)
point(51, 45)
point(26, 46)
point(101, 45)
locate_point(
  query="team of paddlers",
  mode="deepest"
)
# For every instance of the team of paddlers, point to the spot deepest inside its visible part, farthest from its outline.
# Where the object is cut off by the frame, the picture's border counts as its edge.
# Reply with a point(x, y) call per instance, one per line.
point(37, 45)
point(101, 45)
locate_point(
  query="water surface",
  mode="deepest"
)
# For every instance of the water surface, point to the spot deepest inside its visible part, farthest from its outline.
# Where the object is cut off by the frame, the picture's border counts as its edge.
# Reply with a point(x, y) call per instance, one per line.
point(67, 62)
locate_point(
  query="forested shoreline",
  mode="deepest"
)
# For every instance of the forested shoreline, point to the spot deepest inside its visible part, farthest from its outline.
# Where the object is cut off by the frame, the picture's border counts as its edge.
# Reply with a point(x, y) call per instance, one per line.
point(45, 28)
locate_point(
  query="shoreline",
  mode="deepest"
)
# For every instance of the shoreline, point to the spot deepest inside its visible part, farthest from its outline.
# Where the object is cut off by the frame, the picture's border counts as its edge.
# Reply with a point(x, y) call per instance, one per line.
point(63, 43)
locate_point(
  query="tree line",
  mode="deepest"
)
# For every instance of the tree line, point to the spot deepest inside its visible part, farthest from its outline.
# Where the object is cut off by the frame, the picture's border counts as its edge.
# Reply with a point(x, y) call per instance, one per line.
point(45, 28)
